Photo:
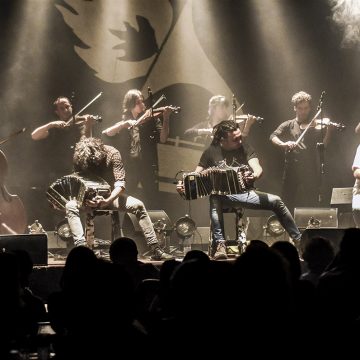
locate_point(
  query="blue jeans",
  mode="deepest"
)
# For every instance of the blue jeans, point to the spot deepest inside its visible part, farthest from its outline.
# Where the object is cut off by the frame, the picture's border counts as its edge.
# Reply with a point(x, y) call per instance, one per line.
point(250, 200)
point(123, 202)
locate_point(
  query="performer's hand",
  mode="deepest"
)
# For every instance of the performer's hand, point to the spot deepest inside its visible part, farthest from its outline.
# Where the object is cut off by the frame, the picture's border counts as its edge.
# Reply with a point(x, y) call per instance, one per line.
point(103, 203)
point(167, 111)
point(130, 123)
point(249, 177)
point(58, 124)
point(289, 145)
point(251, 119)
point(96, 202)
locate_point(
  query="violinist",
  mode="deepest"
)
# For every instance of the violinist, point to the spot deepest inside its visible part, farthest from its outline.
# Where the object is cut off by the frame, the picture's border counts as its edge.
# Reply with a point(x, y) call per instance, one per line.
point(301, 176)
point(64, 111)
point(217, 112)
point(139, 130)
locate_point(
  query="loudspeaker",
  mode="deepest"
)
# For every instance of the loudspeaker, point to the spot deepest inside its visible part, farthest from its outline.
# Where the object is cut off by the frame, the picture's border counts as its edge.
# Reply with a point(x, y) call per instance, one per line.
point(55, 241)
point(334, 235)
point(34, 244)
point(131, 227)
point(200, 240)
point(326, 216)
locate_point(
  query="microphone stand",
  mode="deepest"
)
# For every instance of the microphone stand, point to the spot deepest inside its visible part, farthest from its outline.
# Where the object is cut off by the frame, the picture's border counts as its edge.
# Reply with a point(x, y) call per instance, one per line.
point(150, 94)
point(234, 108)
point(321, 150)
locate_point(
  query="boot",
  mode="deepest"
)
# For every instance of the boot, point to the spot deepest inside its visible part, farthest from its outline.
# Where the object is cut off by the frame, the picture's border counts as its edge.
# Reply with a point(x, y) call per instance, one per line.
point(159, 254)
point(220, 251)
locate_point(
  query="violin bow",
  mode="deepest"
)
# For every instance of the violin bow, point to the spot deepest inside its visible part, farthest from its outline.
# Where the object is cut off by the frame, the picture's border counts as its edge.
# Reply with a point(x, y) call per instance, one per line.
point(15, 133)
point(306, 129)
point(85, 107)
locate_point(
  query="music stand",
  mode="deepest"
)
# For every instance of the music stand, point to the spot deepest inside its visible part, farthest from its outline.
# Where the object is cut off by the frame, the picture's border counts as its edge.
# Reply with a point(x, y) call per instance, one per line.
point(342, 199)
point(341, 196)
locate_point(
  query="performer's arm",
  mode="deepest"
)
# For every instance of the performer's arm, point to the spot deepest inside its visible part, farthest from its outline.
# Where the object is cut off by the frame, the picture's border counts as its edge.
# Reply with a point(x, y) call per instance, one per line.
point(42, 132)
point(275, 137)
point(256, 167)
point(119, 176)
point(115, 129)
point(357, 173)
point(249, 122)
point(357, 129)
point(165, 129)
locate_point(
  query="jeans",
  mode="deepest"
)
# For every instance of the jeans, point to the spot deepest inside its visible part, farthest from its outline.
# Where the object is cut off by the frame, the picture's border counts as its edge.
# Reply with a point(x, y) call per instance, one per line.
point(250, 200)
point(123, 202)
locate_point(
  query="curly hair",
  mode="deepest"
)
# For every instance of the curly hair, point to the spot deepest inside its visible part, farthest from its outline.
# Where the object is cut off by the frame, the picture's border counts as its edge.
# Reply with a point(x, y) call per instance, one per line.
point(130, 99)
point(221, 130)
point(300, 97)
point(89, 154)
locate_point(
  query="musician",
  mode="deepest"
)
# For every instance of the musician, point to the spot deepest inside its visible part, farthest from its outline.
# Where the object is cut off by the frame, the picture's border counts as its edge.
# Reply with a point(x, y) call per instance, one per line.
point(356, 189)
point(64, 111)
point(217, 112)
point(301, 180)
point(138, 143)
point(228, 147)
point(91, 156)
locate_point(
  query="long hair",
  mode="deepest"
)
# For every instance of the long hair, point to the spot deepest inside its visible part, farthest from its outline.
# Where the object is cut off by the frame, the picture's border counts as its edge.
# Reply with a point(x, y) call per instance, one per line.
point(130, 99)
point(89, 154)
point(221, 130)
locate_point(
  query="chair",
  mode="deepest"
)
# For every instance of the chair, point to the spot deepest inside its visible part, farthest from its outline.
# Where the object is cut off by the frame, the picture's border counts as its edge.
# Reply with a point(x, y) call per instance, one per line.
point(237, 244)
point(116, 230)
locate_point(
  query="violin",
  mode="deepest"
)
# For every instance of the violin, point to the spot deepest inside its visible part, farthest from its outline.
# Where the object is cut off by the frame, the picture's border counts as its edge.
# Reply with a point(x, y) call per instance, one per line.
point(80, 119)
point(155, 112)
point(12, 211)
point(325, 122)
point(244, 117)
point(160, 110)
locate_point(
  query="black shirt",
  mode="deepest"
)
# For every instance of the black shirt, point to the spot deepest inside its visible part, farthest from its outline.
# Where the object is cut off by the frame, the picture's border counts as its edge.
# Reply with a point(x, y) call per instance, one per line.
point(290, 131)
point(215, 155)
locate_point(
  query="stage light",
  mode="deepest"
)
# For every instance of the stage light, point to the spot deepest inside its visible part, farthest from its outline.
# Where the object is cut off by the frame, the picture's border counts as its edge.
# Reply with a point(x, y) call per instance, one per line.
point(185, 227)
point(63, 230)
point(273, 226)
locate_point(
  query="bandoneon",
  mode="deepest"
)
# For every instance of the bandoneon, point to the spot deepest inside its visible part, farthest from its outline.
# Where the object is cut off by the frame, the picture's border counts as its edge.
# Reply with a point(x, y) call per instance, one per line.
point(216, 180)
point(76, 187)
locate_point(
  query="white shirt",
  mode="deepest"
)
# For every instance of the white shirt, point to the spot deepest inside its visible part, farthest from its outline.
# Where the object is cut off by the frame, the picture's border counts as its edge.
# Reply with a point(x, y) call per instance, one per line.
point(356, 188)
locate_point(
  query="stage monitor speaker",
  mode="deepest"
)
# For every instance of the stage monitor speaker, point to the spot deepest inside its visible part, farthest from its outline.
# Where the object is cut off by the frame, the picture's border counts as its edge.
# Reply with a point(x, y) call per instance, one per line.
point(131, 227)
point(201, 238)
point(55, 241)
point(325, 217)
point(34, 244)
point(334, 235)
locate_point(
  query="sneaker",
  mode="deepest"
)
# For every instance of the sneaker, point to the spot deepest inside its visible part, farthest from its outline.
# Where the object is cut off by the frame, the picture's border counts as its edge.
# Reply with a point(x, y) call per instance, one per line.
point(220, 251)
point(158, 254)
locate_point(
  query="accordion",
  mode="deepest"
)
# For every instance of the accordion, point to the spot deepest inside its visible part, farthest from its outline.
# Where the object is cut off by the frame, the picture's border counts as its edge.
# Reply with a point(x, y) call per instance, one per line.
point(76, 187)
point(216, 180)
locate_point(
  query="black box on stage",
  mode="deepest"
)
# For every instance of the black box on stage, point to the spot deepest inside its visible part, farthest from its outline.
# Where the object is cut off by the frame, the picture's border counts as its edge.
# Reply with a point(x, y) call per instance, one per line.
point(326, 217)
point(34, 244)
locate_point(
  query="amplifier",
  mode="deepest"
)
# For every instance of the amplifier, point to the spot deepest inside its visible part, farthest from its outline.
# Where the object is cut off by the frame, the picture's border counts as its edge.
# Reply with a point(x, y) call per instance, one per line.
point(323, 217)
point(34, 244)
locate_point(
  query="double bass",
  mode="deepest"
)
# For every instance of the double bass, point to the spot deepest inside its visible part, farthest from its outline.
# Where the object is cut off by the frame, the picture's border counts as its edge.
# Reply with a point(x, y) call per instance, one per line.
point(12, 211)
